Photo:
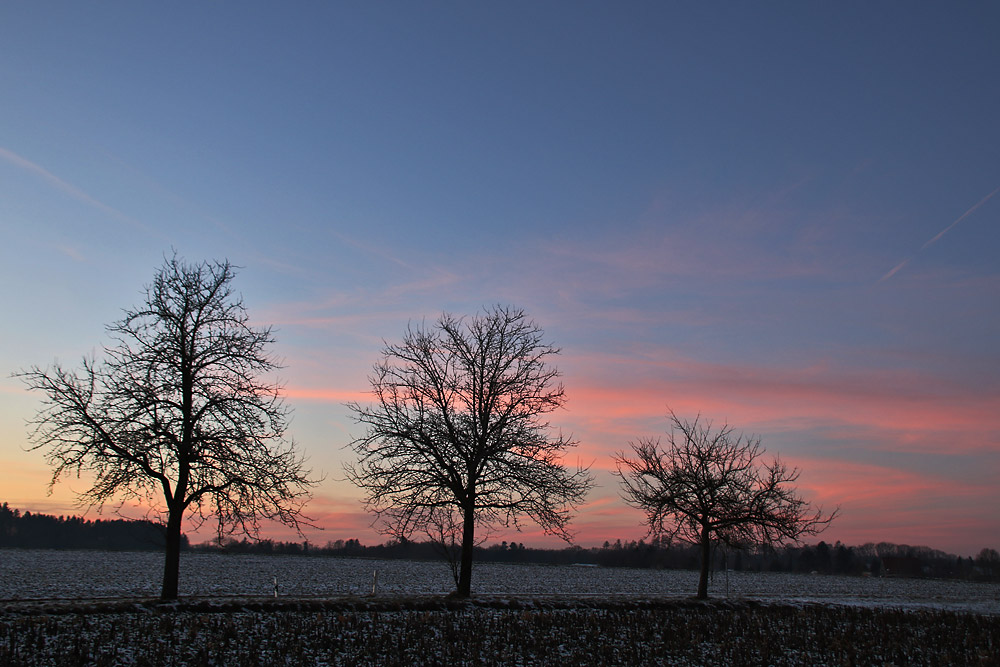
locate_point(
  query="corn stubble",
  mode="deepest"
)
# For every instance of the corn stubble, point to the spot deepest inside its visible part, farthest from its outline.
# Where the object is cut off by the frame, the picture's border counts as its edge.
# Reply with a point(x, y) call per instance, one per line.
point(502, 632)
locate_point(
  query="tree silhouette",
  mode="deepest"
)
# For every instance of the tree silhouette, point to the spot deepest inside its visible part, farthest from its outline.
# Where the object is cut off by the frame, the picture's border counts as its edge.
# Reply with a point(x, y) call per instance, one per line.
point(458, 426)
point(176, 414)
point(712, 485)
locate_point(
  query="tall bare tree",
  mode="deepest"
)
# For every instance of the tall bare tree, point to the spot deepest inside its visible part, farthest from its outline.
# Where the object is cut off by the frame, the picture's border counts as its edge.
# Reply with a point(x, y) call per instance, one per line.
point(713, 485)
point(458, 424)
point(176, 414)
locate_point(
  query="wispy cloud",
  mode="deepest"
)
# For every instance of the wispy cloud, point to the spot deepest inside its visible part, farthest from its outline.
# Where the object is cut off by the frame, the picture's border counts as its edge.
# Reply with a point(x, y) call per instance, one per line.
point(72, 252)
point(613, 399)
point(69, 189)
point(885, 503)
point(896, 269)
point(940, 234)
point(326, 395)
point(960, 218)
point(371, 249)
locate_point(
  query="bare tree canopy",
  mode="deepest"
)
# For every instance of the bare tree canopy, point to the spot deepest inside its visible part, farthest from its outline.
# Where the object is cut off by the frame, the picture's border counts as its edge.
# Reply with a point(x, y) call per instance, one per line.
point(713, 485)
point(176, 414)
point(458, 425)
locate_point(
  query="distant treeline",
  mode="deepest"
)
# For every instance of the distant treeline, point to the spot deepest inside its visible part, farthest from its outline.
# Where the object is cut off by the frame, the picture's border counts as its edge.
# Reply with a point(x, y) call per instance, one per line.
point(883, 559)
point(42, 531)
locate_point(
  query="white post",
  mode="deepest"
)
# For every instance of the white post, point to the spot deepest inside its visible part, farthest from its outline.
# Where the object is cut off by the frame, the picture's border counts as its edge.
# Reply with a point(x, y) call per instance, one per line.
point(275, 587)
point(727, 571)
point(375, 582)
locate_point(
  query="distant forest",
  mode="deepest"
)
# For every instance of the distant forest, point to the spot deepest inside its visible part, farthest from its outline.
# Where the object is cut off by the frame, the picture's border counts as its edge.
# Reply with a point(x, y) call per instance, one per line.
point(883, 559)
point(41, 531)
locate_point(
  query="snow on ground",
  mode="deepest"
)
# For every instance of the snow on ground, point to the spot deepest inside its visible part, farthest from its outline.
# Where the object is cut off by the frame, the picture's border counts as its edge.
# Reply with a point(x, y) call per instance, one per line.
point(42, 574)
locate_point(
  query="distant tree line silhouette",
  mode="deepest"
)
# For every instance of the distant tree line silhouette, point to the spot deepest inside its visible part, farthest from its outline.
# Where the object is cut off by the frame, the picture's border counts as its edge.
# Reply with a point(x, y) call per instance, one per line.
point(882, 559)
point(42, 531)
point(29, 530)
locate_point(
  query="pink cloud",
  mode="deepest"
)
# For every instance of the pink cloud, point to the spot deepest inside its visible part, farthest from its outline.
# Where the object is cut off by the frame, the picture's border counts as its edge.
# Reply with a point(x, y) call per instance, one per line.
point(883, 503)
point(607, 393)
point(326, 394)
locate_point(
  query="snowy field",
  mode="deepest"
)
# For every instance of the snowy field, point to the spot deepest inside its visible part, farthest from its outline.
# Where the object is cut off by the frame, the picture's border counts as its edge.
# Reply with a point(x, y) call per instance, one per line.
point(528, 615)
point(41, 574)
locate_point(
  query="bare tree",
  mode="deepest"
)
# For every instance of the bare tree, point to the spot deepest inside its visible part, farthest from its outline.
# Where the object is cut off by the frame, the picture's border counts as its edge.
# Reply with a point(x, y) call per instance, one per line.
point(176, 415)
point(712, 485)
point(458, 425)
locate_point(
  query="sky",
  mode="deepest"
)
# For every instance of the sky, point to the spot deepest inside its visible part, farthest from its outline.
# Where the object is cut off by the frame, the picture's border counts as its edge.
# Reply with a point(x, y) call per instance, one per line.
point(780, 216)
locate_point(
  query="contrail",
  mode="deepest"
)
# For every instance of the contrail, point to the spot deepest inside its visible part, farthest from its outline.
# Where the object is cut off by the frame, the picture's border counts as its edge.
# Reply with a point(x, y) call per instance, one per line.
point(895, 269)
point(937, 238)
point(960, 219)
point(68, 188)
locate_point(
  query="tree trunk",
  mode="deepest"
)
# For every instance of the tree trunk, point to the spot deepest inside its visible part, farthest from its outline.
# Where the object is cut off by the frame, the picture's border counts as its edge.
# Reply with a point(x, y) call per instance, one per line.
point(706, 555)
point(172, 560)
point(468, 545)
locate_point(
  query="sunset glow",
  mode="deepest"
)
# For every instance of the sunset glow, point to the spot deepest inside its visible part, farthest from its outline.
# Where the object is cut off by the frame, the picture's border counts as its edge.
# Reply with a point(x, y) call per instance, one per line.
point(784, 219)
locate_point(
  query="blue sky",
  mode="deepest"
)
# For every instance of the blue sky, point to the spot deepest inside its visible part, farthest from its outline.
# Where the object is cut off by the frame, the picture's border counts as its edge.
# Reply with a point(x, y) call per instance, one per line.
point(731, 209)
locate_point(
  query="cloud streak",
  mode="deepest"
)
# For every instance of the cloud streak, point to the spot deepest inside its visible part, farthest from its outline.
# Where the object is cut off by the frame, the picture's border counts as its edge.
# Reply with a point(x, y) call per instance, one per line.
point(69, 189)
point(960, 218)
point(896, 269)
